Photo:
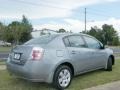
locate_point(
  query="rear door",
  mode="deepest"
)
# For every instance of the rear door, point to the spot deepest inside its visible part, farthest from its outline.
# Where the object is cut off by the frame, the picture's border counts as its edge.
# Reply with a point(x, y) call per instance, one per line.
point(98, 54)
point(78, 52)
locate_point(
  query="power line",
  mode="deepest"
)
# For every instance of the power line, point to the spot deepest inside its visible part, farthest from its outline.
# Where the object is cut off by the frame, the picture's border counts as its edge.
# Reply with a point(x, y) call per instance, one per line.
point(95, 11)
point(51, 6)
point(38, 4)
point(99, 14)
point(100, 10)
point(90, 11)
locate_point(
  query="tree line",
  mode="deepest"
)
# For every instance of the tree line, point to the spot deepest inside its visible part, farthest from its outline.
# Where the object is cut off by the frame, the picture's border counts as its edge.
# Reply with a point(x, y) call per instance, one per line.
point(107, 34)
point(16, 32)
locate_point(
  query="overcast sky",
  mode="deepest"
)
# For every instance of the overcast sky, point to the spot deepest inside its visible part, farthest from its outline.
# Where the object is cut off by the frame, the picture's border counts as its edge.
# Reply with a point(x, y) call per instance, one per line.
point(67, 14)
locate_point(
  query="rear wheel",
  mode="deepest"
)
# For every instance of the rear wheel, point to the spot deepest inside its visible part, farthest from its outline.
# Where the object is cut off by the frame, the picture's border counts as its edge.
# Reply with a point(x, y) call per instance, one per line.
point(62, 77)
point(109, 64)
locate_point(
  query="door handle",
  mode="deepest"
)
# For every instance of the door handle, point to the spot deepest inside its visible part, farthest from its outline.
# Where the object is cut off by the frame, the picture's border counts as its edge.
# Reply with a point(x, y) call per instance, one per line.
point(93, 53)
point(73, 52)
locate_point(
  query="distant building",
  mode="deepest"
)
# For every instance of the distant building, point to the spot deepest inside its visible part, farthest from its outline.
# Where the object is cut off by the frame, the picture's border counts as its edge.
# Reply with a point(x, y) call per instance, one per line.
point(3, 43)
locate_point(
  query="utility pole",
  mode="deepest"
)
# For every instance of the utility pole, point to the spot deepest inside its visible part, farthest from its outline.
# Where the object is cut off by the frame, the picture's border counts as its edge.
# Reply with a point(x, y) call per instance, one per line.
point(85, 20)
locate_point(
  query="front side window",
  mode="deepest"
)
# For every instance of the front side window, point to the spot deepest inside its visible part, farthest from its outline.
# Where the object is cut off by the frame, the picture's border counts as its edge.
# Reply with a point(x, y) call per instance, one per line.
point(92, 43)
point(66, 42)
point(74, 41)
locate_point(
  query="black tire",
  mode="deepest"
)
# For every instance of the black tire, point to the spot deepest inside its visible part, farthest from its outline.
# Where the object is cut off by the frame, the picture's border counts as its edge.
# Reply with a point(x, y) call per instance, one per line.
point(56, 83)
point(109, 64)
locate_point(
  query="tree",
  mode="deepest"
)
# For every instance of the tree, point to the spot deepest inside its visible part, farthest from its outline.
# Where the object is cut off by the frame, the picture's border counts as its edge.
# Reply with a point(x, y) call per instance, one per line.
point(15, 29)
point(96, 32)
point(110, 35)
point(61, 30)
point(107, 35)
point(115, 41)
point(8, 35)
point(5, 34)
point(19, 32)
point(1, 31)
point(27, 29)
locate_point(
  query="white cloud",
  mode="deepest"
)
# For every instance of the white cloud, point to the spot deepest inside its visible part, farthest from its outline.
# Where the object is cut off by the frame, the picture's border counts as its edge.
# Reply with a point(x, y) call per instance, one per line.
point(111, 21)
point(53, 8)
point(78, 26)
point(42, 9)
point(2, 16)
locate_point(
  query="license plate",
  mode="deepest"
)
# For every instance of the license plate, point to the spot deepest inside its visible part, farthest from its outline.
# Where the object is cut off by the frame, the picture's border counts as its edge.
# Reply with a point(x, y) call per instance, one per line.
point(17, 56)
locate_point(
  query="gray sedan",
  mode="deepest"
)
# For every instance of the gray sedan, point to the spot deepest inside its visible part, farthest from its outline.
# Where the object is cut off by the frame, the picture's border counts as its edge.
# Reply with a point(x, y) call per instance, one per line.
point(57, 58)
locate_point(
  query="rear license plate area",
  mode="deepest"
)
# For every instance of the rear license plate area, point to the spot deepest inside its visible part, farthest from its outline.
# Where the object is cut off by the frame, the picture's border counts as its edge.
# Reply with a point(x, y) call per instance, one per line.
point(17, 56)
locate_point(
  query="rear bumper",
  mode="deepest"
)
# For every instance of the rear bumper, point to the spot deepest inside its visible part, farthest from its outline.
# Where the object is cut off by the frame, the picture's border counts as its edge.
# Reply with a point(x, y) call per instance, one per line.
point(35, 71)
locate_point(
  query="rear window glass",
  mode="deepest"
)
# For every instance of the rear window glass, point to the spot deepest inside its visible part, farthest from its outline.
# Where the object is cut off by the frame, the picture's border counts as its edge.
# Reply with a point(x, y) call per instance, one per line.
point(41, 40)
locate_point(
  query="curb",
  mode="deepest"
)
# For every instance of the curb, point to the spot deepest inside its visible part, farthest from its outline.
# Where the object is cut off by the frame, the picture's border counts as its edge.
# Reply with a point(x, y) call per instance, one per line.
point(3, 59)
point(108, 86)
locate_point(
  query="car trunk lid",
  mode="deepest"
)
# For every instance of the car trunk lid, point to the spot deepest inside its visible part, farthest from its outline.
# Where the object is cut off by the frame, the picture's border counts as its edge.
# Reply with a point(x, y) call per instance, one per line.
point(20, 54)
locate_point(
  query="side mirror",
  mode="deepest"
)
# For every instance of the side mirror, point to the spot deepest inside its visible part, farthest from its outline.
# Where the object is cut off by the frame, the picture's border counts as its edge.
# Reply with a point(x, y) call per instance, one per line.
point(102, 47)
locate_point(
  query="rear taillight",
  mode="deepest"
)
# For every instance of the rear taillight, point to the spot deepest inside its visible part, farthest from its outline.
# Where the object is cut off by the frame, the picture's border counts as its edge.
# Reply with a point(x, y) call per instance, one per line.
point(37, 53)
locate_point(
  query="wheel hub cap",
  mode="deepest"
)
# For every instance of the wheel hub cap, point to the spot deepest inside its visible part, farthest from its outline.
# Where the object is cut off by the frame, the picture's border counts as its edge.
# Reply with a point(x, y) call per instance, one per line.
point(64, 78)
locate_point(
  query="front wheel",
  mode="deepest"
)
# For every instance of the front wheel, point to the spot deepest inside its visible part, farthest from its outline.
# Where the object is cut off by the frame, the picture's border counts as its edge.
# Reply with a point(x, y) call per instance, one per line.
point(62, 77)
point(109, 64)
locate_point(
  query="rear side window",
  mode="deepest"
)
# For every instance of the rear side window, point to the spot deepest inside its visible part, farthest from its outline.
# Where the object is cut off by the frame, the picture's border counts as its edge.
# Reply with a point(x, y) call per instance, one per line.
point(74, 41)
point(41, 40)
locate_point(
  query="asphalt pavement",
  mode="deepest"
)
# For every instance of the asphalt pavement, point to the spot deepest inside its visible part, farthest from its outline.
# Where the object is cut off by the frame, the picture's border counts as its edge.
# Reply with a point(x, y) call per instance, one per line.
point(115, 49)
point(4, 55)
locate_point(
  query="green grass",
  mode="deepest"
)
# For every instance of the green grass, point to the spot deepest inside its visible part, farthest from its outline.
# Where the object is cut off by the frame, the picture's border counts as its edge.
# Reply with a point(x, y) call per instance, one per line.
point(117, 54)
point(2, 62)
point(5, 49)
point(87, 80)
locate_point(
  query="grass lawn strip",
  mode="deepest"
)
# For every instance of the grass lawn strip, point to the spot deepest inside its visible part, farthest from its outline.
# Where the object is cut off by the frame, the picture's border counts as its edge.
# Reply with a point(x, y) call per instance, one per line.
point(5, 49)
point(80, 82)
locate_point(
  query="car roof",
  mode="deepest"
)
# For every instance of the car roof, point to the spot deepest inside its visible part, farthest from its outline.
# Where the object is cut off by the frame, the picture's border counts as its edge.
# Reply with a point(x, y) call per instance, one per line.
point(68, 34)
point(62, 35)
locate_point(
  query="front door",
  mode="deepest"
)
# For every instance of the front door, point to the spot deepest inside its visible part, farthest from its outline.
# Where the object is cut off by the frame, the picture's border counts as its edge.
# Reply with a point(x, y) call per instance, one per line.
point(98, 54)
point(78, 53)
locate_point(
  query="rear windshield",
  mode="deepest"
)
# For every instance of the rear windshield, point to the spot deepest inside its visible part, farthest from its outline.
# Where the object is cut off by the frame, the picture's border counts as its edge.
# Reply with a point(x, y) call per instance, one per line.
point(41, 40)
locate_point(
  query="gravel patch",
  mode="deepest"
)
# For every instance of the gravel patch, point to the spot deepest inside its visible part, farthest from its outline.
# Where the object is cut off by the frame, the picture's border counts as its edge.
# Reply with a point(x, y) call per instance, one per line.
point(2, 67)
